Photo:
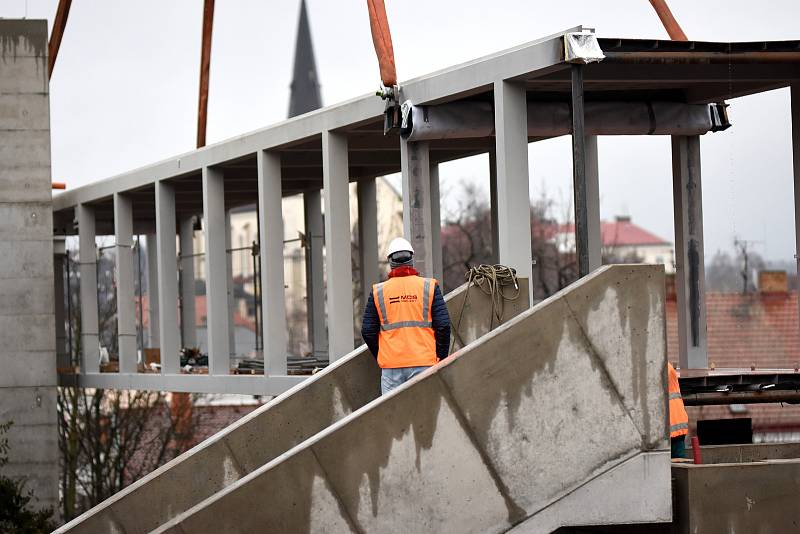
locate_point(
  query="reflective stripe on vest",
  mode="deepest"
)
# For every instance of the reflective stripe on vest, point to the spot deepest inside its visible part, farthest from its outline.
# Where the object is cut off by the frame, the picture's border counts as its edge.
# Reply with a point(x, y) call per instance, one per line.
point(679, 426)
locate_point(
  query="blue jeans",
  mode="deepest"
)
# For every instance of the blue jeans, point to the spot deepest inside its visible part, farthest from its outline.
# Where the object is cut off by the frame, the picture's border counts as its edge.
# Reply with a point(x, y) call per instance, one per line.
point(391, 378)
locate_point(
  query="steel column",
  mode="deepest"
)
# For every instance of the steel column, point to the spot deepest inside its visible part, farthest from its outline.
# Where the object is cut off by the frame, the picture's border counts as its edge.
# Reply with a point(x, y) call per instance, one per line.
point(62, 350)
point(339, 269)
point(126, 315)
point(579, 187)
point(315, 273)
point(595, 243)
point(87, 257)
point(795, 91)
point(436, 224)
point(493, 203)
point(513, 190)
point(166, 276)
point(689, 255)
point(367, 236)
point(270, 238)
point(153, 336)
point(230, 289)
point(415, 167)
point(188, 315)
point(217, 314)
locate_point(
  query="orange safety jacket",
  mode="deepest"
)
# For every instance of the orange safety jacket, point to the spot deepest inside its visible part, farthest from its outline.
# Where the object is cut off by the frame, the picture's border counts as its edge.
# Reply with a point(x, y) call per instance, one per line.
point(678, 419)
point(404, 307)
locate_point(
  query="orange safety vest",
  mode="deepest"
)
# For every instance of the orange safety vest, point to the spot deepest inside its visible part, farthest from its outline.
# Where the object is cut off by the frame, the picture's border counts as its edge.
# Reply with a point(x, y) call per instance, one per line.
point(404, 306)
point(678, 419)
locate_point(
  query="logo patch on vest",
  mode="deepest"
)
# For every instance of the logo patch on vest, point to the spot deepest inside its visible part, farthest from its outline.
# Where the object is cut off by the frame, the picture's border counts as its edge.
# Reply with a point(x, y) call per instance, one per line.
point(402, 298)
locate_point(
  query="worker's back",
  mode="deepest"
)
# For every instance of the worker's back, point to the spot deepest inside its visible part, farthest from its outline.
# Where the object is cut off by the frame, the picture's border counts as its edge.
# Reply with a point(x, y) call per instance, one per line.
point(404, 308)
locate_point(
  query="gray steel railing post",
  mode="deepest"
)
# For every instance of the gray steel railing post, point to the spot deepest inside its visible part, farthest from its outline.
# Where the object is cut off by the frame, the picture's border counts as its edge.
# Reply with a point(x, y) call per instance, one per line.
point(270, 235)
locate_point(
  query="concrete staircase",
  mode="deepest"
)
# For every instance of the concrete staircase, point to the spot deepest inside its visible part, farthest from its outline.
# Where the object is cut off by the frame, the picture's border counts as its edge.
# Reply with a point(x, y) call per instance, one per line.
point(556, 418)
point(266, 433)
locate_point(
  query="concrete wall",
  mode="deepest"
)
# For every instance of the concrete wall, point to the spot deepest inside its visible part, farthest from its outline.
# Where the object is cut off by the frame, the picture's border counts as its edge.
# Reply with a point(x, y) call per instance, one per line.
point(555, 418)
point(27, 325)
point(758, 496)
point(260, 437)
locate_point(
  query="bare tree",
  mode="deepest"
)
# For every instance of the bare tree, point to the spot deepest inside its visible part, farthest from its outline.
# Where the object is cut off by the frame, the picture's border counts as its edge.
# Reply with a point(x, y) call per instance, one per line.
point(467, 242)
point(109, 439)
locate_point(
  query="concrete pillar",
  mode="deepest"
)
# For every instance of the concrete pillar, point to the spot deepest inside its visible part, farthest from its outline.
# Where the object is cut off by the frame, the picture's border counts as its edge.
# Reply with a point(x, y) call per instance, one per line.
point(215, 227)
point(270, 237)
point(493, 204)
point(415, 167)
point(87, 258)
point(513, 191)
point(796, 162)
point(28, 380)
point(436, 224)
point(595, 247)
point(230, 288)
point(367, 236)
point(62, 350)
point(188, 315)
point(152, 290)
point(166, 278)
point(126, 314)
point(338, 266)
point(689, 256)
point(315, 273)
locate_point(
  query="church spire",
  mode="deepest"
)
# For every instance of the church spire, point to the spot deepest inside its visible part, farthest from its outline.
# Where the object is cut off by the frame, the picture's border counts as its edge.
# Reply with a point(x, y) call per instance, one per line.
point(305, 95)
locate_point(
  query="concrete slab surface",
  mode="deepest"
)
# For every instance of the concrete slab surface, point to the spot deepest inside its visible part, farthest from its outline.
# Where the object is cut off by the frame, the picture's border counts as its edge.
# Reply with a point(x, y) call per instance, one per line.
point(526, 417)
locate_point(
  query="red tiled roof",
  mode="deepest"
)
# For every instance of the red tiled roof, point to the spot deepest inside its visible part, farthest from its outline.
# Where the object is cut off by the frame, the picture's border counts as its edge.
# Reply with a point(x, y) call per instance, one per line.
point(746, 329)
point(622, 233)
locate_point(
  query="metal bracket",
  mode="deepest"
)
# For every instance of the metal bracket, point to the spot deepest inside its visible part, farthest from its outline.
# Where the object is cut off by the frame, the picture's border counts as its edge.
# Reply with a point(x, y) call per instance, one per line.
point(582, 48)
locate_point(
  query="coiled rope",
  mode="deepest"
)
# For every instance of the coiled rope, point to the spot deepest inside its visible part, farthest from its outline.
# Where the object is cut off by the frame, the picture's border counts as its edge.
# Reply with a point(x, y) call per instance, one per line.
point(499, 283)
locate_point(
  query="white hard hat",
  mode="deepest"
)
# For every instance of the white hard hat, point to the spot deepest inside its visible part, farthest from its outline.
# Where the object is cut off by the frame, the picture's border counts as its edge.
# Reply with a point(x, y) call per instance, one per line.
point(399, 244)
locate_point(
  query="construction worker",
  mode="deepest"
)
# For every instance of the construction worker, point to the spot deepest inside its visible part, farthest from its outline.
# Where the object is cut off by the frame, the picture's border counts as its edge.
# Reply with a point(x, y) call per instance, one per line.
point(406, 325)
point(678, 419)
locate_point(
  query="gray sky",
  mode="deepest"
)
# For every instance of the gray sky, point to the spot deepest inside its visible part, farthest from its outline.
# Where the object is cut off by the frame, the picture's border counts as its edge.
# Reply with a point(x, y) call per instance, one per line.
point(124, 92)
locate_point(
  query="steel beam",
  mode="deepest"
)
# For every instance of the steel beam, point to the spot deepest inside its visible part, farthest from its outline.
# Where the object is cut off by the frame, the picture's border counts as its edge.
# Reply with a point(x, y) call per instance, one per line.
point(215, 228)
point(436, 223)
point(513, 190)
point(315, 272)
point(270, 238)
point(593, 225)
point(795, 92)
point(189, 383)
point(367, 236)
point(126, 316)
point(579, 187)
point(339, 268)
point(689, 254)
point(415, 168)
point(87, 258)
point(538, 57)
point(166, 275)
point(188, 315)
point(153, 336)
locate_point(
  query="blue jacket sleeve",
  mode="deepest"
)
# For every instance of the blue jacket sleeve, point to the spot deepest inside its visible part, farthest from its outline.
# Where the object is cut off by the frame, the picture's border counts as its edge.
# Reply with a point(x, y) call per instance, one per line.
point(441, 324)
point(371, 326)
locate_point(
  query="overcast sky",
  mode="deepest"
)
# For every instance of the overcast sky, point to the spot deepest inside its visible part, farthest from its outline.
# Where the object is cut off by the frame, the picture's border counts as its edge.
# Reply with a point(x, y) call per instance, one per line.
point(124, 92)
